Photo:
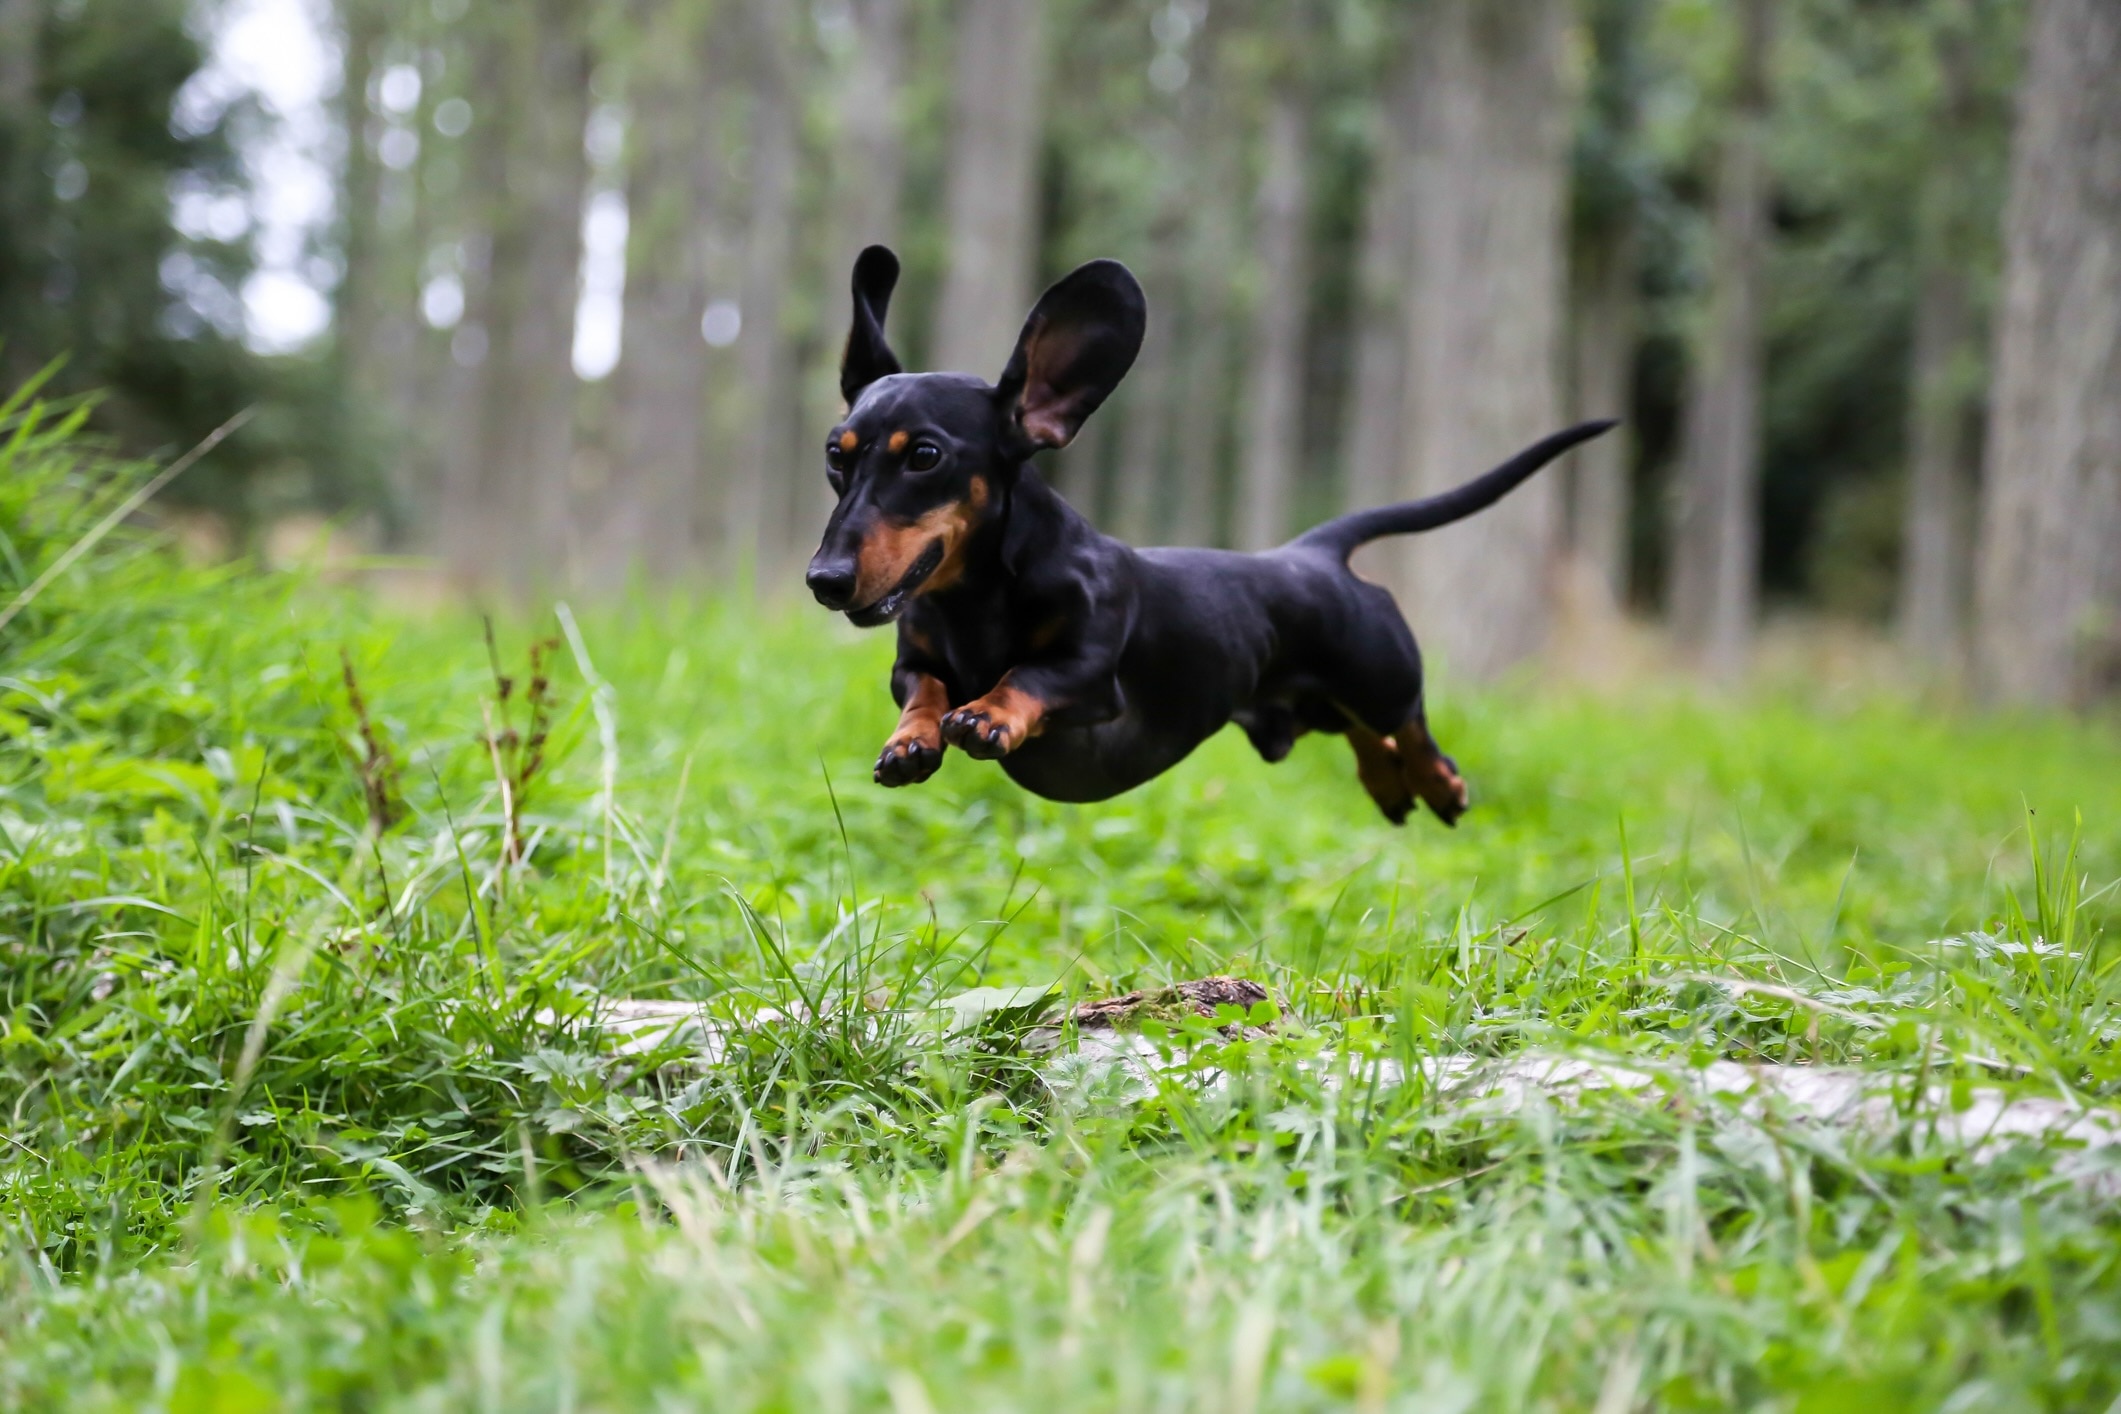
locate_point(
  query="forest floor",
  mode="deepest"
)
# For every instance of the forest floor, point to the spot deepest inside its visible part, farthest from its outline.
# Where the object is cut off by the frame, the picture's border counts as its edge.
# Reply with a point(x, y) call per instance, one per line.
point(301, 1114)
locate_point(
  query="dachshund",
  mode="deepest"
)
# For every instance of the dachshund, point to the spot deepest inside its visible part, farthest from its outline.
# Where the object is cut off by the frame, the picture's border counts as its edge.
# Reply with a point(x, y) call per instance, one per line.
point(1086, 666)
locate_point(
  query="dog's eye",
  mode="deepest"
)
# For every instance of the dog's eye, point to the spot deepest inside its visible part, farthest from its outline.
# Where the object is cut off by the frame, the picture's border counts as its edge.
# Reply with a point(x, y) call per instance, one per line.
point(926, 457)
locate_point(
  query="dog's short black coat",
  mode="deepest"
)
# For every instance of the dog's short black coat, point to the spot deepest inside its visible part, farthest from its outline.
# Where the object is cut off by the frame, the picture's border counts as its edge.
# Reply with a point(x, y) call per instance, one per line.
point(1084, 665)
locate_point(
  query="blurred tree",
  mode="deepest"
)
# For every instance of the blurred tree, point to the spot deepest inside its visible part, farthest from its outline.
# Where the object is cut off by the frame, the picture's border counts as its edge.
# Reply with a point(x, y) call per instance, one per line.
point(1273, 433)
point(758, 515)
point(1149, 402)
point(508, 511)
point(1211, 249)
point(22, 124)
point(1956, 215)
point(94, 145)
point(2048, 606)
point(675, 158)
point(1123, 135)
point(1716, 536)
point(861, 137)
point(1606, 290)
point(993, 182)
point(1339, 208)
point(395, 185)
point(1377, 392)
point(363, 300)
point(1488, 144)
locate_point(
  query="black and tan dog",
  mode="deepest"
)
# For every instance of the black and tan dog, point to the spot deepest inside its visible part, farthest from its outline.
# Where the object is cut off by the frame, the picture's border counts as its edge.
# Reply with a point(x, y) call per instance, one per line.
point(1086, 666)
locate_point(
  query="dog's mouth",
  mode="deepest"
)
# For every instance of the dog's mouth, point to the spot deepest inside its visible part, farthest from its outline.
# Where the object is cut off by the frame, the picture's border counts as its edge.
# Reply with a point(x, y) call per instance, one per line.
point(894, 602)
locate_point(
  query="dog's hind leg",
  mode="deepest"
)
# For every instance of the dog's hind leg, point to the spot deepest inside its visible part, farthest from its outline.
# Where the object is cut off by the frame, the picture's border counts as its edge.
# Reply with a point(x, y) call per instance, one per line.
point(1382, 773)
point(1429, 773)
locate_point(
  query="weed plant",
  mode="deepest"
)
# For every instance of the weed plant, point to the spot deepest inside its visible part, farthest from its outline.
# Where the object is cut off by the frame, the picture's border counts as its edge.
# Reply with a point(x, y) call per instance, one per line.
point(314, 915)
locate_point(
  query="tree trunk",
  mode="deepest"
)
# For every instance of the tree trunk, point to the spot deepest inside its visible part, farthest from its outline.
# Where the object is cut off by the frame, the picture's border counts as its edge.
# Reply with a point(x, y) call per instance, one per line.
point(1146, 406)
point(23, 190)
point(1716, 542)
point(1488, 153)
point(865, 155)
point(1377, 396)
point(512, 514)
point(1212, 247)
point(1204, 386)
point(647, 518)
point(21, 37)
point(473, 519)
point(1607, 307)
point(1274, 382)
point(1605, 288)
point(757, 514)
point(870, 135)
point(2048, 611)
point(993, 184)
point(360, 302)
point(1936, 542)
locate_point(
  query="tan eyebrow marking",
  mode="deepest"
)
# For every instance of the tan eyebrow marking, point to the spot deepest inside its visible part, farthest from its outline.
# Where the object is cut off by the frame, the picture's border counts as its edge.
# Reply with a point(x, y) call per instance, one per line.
point(898, 442)
point(848, 441)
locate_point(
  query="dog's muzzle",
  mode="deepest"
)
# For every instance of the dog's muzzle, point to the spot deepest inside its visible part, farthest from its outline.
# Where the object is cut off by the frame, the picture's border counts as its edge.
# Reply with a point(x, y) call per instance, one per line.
point(894, 601)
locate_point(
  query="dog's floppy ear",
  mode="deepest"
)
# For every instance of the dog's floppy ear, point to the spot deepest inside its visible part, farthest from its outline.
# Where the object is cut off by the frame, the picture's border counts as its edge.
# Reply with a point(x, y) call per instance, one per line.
point(1080, 340)
point(868, 357)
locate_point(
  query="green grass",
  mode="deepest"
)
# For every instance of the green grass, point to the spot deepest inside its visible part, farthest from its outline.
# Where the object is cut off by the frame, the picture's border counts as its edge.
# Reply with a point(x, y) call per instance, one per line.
point(302, 1115)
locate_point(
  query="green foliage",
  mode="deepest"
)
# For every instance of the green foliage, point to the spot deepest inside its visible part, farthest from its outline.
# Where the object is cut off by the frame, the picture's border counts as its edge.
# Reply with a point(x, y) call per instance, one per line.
point(94, 275)
point(1878, 167)
point(307, 1112)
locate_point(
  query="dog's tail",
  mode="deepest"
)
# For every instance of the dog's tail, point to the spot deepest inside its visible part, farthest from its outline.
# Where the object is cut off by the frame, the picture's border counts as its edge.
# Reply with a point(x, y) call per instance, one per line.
point(1341, 537)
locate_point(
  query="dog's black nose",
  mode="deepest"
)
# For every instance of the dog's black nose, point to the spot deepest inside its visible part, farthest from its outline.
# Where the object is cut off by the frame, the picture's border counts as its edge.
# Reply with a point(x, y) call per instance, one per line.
point(832, 581)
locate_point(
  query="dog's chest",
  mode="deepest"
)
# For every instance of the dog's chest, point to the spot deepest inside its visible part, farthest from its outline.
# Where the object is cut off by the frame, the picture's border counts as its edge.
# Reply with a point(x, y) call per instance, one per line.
point(977, 648)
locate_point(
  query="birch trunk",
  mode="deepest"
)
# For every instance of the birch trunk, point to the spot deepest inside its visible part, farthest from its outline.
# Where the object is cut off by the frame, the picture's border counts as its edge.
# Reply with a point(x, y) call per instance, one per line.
point(2048, 610)
point(993, 184)
point(1716, 541)
point(1488, 154)
point(1274, 383)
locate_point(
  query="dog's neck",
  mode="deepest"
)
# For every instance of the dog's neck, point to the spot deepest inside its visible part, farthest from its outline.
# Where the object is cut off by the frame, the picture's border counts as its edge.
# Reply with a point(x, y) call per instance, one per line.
point(1029, 521)
point(1034, 521)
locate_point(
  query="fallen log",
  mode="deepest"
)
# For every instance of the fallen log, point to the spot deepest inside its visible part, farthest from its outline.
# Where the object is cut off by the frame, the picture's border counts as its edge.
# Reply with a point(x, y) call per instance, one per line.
point(1102, 1042)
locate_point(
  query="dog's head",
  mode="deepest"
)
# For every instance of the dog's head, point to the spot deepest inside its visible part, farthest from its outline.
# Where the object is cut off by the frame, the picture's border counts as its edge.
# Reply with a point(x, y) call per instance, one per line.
point(922, 461)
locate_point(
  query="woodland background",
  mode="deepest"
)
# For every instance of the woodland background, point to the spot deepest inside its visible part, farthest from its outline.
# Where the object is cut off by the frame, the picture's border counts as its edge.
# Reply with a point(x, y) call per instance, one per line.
point(1851, 269)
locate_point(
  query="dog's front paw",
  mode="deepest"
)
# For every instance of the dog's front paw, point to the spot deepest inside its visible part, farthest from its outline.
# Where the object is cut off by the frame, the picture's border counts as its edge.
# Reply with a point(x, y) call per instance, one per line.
point(991, 727)
point(982, 735)
point(908, 759)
